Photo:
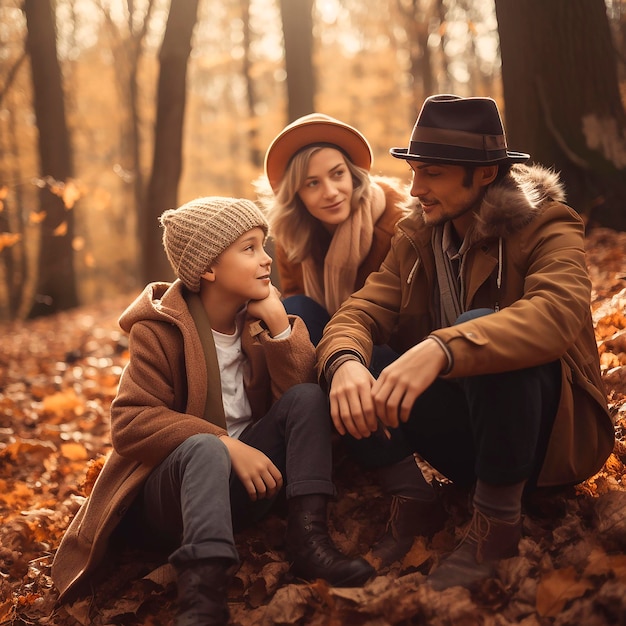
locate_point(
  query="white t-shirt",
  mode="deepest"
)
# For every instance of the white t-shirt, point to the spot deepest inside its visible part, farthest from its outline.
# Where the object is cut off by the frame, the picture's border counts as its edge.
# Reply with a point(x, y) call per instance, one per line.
point(234, 365)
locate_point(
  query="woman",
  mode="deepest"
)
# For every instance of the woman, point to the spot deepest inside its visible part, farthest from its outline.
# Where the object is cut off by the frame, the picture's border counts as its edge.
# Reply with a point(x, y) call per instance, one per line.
point(331, 222)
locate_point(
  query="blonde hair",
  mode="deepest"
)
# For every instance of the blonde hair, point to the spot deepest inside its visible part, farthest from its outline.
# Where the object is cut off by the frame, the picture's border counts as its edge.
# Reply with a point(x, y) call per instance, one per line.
point(291, 225)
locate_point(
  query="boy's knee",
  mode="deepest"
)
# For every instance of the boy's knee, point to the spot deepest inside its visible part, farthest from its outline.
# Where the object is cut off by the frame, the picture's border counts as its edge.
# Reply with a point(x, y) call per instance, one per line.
point(204, 448)
point(308, 393)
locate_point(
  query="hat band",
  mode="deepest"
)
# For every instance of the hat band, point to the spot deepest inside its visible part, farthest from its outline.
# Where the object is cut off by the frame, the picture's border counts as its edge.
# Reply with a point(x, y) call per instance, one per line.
point(457, 138)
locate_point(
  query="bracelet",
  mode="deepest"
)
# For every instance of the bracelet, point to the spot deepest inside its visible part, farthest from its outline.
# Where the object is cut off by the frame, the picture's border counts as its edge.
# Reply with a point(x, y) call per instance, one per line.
point(337, 362)
point(447, 352)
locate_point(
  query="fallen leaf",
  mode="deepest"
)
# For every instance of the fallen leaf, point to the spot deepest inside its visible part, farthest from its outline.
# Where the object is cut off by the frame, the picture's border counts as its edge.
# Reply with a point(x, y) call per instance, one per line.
point(556, 588)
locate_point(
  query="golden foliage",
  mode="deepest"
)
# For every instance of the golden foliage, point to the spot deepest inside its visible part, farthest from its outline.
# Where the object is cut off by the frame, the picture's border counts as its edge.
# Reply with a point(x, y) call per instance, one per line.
point(8, 240)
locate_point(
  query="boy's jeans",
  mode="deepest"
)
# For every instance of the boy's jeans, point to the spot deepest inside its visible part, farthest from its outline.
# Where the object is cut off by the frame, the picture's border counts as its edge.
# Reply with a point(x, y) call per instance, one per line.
point(192, 500)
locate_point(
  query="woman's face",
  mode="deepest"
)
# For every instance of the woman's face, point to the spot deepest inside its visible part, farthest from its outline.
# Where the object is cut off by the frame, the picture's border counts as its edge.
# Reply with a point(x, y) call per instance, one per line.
point(327, 188)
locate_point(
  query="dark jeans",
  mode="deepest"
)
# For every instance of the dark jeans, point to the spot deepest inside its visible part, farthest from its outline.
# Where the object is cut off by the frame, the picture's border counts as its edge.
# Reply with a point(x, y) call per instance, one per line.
point(494, 427)
point(315, 317)
point(192, 501)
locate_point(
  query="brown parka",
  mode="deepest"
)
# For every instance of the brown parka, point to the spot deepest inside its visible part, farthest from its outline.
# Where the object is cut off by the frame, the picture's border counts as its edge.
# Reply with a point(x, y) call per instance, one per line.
point(168, 392)
point(290, 274)
point(526, 259)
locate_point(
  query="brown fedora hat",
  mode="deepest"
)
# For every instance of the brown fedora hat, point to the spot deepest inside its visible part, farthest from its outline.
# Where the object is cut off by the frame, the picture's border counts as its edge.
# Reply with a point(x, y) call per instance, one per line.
point(452, 129)
point(313, 129)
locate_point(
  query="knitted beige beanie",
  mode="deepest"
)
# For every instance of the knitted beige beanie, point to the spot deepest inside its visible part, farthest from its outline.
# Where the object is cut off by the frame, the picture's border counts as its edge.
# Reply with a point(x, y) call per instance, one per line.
point(196, 233)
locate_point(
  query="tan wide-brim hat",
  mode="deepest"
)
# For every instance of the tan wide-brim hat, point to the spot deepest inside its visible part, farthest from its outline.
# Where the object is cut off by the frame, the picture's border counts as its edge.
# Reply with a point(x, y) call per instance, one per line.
point(314, 129)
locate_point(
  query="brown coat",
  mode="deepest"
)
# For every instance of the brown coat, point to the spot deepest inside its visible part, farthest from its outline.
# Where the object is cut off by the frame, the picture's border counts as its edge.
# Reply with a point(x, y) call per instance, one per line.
point(290, 274)
point(544, 300)
point(168, 387)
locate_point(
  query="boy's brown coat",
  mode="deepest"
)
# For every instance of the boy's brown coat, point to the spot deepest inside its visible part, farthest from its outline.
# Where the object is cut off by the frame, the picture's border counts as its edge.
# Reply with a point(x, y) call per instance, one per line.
point(161, 402)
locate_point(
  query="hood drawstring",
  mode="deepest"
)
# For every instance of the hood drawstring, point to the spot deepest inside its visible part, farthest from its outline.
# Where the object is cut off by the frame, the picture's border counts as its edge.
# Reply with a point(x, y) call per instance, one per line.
point(499, 277)
point(413, 270)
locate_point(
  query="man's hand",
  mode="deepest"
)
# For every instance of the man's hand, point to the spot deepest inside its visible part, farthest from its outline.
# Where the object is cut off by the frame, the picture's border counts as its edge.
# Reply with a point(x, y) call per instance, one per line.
point(260, 477)
point(351, 405)
point(404, 380)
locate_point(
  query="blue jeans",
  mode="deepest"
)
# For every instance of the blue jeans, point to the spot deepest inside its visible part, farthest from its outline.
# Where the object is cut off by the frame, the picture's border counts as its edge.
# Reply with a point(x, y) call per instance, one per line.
point(193, 502)
point(494, 426)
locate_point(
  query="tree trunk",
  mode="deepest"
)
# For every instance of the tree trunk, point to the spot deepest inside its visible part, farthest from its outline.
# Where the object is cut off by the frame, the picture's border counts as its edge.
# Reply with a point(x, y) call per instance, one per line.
point(416, 21)
point(562, 99)
point(256, 154)
point(56, 281)
point(297, 18)
point(167, 158)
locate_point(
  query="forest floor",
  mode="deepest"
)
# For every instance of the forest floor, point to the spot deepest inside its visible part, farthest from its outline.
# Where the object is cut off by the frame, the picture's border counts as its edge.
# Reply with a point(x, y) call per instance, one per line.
point(58, 376)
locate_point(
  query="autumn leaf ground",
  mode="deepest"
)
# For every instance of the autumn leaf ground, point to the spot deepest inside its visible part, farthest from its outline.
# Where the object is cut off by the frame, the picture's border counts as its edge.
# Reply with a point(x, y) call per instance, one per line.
point(58, 376)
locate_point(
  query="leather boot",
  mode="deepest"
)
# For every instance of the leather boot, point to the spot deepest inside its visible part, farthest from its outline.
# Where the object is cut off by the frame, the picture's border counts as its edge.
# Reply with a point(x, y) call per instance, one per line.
point(203, 592)
point(408, 518)
point(311, 549)
point(486, 541)
point(415, 510)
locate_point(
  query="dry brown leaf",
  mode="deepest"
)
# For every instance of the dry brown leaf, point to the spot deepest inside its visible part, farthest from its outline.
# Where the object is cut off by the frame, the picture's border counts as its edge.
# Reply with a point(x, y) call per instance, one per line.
point(62, 402)
point(603, 564)
point(289, 605)
point(162, 576)
point(610, 512)
point(266, 583)
point(417, 555)
point(74, 451)
point(556, 588)
point(7, 611)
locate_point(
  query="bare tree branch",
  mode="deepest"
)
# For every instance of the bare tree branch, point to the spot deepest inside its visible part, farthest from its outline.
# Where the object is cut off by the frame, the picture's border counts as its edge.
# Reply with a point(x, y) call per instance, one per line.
point(12, 74)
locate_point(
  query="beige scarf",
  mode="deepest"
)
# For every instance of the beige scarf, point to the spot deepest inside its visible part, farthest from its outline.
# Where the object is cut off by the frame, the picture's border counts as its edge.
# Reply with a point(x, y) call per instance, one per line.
point(348, 248)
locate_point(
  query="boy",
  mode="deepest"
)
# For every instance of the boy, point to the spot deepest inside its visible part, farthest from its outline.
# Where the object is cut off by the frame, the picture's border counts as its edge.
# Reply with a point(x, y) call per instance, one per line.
point(215, 413)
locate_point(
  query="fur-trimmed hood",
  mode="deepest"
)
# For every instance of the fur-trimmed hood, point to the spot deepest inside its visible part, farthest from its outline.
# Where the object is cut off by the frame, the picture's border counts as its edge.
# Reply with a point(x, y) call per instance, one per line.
point(511, 203)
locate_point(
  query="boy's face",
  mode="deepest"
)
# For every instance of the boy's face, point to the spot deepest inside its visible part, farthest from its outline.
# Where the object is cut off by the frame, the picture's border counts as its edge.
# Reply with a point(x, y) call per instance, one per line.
point(242, 271)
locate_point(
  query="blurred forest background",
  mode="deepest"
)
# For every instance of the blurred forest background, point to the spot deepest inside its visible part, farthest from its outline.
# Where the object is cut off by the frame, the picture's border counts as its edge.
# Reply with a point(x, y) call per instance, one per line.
point(112, 111)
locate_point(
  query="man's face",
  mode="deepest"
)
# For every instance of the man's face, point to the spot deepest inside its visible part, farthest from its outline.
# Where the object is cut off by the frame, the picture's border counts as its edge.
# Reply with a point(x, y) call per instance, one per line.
point(447, 193)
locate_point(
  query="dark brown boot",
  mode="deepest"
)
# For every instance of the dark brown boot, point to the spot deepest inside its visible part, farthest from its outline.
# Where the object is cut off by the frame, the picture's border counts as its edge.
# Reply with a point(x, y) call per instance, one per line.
point(311, 549)
point(486, 541)
point(408, 518)
point(203, 592)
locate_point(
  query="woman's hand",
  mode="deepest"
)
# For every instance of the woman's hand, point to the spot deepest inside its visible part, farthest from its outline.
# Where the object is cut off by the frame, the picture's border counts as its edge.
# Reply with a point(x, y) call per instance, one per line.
point(260, 477)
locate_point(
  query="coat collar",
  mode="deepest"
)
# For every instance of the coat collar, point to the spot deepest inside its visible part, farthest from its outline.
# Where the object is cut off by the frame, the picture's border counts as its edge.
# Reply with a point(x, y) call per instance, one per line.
point(507, 206)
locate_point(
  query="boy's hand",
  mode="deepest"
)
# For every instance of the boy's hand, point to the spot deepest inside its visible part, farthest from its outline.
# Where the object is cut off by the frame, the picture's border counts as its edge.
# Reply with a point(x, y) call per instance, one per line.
point(351, 405)
point(271, 311)
point(260, 477)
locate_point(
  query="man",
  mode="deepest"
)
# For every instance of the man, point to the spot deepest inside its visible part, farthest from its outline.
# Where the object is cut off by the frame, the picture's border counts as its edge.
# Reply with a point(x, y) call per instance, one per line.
point(486, 295)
